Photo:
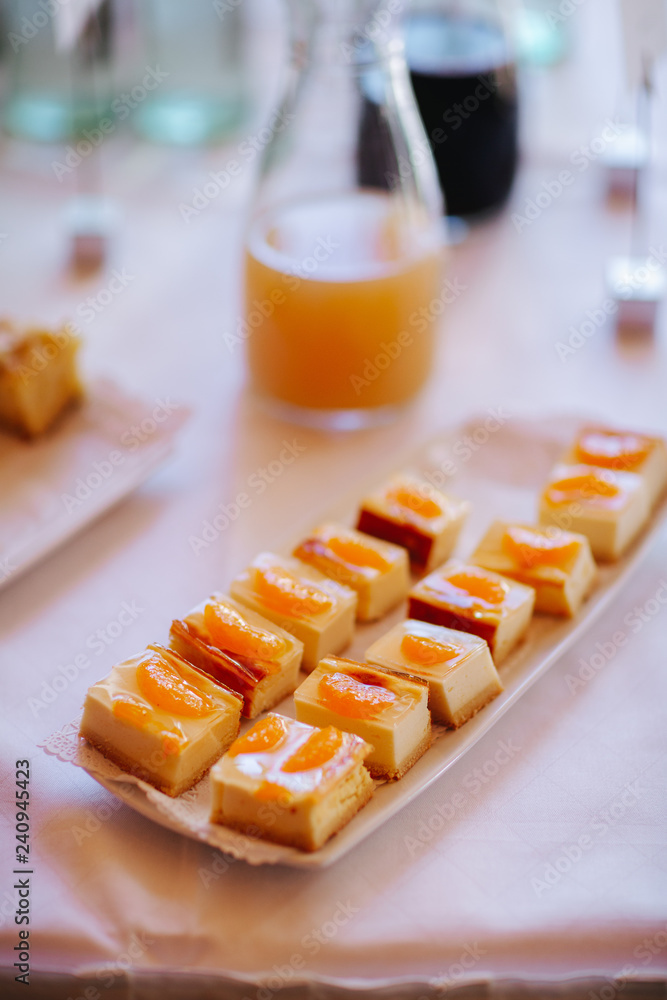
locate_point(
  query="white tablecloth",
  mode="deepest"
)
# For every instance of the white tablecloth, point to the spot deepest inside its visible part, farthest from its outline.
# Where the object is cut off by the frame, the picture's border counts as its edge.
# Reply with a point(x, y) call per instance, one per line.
point(544, 864)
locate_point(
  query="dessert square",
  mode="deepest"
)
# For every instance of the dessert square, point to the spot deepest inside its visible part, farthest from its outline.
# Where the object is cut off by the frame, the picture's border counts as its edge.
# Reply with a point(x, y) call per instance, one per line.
point(388, 712)
point(159, 718)
point(408, 511)
point(457, 666)
point(558, 564)
point(609, 508)
point(38, 377)
point(290, 783)
point(241, 649)
point(623, 451)
point(378, 571)
point(302, 601)
point(467, 598)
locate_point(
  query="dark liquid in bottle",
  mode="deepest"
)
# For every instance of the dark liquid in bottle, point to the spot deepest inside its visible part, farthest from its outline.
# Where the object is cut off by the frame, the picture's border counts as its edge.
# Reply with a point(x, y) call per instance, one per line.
point(466, 92)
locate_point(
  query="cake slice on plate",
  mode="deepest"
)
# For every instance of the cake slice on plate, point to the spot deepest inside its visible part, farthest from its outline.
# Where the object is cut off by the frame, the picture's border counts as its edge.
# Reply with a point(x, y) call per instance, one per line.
point(387, 711)
point(408, 511)
point(457, 666)
point(378, 571)
point(558, 564)
point(320, 612)
point(160, 719)
point(241, 649)
point(290, 783)
point(470, 599)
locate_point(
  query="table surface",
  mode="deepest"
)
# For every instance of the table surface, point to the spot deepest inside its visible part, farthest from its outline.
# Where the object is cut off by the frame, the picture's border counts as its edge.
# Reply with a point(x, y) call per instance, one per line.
point(501, 892)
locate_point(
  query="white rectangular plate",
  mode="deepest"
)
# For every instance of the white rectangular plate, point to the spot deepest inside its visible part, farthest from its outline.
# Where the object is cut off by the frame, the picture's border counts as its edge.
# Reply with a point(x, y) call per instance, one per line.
point(500, 468)
point(51, 488)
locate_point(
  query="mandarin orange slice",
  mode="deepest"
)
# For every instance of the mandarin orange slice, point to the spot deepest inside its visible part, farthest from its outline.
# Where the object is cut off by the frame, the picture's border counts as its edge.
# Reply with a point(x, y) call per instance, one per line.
point(348, 696)
point(612, 449)
point(162, 685)
point(320, 747)
point(587, 487)
point(269, 791)
point(130, 711)
point(478, 585)
point(470, 588)
point(264, 737)
point(230, 631)
point(172, 742)
point(410, 498)
point(357, 553)
point(534, 548)
point(428, 652)
point(282, 592)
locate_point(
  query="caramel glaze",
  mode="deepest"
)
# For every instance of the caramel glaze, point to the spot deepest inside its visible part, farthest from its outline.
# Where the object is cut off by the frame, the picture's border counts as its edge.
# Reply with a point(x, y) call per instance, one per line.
point(426, 612)
point(410, 537)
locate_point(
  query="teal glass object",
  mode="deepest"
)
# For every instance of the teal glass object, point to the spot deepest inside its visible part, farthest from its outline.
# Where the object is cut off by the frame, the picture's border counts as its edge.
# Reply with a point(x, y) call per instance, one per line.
point(201, 47)
point(54, 94)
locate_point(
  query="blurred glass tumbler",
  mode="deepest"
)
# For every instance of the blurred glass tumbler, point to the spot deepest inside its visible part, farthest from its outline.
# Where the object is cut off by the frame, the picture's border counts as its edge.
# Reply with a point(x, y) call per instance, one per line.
point(200, 46)
point(342, 274)
point(54, 93)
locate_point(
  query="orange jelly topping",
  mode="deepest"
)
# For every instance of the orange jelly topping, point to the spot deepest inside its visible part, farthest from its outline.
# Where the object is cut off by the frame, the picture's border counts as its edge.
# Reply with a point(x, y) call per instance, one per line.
point(130, 711)
point(320, 747)
point(357, 553)
point(613, 449)
point(172, 742)
point(411, 499)
point(471, 589)
point(586, 487)
point(229, 630)
point(348, 696)
point(162, 685)
point(422, 649)
point(139, 716)
point(533, 548)
point(264, 737)
point(282, 592)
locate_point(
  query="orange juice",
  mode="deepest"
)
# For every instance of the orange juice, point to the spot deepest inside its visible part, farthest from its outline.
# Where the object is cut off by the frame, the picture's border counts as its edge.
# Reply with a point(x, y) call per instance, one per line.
point(339, 303)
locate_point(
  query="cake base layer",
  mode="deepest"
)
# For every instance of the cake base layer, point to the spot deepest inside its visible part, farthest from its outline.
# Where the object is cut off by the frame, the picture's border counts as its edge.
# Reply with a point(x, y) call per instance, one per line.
point(306, 825)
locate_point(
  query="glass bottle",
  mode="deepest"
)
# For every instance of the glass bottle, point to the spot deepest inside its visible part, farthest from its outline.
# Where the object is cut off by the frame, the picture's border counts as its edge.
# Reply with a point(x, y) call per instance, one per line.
point(342, 270)
point(464, 78)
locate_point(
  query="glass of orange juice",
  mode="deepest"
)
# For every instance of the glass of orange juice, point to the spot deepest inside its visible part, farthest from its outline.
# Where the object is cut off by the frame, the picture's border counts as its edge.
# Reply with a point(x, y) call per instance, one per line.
point(344, 245)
